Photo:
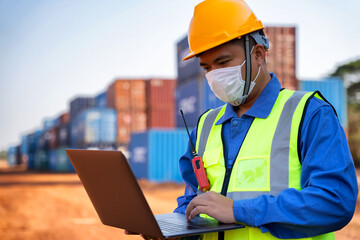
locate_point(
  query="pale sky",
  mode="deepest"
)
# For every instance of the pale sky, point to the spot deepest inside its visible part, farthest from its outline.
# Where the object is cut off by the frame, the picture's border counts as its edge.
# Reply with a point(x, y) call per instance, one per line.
point(54, 50)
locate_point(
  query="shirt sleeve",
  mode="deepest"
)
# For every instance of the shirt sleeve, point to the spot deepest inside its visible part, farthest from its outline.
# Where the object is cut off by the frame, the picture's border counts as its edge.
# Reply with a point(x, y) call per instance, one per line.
point(327, 200)
point(189, 178)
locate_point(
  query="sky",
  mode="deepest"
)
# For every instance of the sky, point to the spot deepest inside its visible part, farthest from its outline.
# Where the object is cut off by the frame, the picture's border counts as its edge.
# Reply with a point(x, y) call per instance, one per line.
point(55, 50)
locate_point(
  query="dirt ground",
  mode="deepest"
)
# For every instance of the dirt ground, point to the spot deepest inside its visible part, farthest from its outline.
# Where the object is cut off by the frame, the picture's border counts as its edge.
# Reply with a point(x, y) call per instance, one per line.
point(56, 206)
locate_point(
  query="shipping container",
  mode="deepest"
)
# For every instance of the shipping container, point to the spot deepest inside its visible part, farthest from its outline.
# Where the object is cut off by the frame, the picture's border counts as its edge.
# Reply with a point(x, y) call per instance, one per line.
point(42, 160)
point(95, 125)
point(187, 99)
point(332, 88)
point(138, 95)
point(161, 117)
point(53, 140)
point(118, 94)
point(138, 120)
point(64, 118)
point(161, 92)
point(63, 135)
point(52, 160)
point(49, 123)
point(63, 163)
point(59, 161)
point(31, 161)
point(187, 69)
point(281, 57)
point(123, 126)
point(101, 100)
point(155, 154)
point(80, 104)
point(11, 156)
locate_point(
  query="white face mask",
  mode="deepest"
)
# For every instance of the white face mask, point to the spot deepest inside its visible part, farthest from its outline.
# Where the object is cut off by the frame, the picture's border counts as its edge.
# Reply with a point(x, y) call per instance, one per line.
point(228, 84)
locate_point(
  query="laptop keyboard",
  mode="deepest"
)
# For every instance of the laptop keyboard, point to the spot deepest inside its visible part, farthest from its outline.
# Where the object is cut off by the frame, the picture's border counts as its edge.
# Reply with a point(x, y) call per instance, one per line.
point(170, 227)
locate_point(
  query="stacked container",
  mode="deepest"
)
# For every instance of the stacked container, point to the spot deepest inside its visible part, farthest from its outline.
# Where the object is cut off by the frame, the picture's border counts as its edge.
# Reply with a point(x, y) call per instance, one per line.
point(141, 104)
point(161, 103)
point(79, 105)
point(95, 127)
point(281, 57)
point(333, 89)
point(155, 154)
point(59, 161)
point(101, 100)
point(193, 94)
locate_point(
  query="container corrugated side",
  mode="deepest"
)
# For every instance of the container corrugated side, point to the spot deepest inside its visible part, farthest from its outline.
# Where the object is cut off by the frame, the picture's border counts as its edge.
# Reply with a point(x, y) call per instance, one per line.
point(11, 156)
point(101, 100)
point(155, 154)
point(161, 117)
point(123, 126)
point(80, 104)
point(118, 96)
point(96, 125)
point(52, 160)
point(63, 163)
point(165, 149)
point(281, 57)
point(188, 99)
point(161, 92)
point(138, 159)
point(64, 118)
point(138, 94)
point(189, 68)
point(63, 135)
point(42, 160)
point(138, 120)
point(333, 90)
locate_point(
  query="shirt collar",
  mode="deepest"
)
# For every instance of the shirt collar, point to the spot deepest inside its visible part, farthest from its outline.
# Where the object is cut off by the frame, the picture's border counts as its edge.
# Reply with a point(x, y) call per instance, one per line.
point(263, 104)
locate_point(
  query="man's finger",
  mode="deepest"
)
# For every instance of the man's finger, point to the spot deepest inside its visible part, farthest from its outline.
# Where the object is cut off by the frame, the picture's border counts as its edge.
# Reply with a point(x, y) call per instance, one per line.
point(196, 211)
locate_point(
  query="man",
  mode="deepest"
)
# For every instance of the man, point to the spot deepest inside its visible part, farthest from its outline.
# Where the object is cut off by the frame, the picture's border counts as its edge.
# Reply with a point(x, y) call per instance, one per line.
point(276, 160)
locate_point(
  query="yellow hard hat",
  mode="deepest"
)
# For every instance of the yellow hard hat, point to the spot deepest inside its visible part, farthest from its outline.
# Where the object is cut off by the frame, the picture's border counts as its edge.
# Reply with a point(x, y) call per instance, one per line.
point(218, 21)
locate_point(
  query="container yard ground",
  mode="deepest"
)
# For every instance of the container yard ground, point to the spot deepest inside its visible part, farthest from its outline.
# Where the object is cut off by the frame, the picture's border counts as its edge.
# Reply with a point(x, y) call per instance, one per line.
point(55, 206)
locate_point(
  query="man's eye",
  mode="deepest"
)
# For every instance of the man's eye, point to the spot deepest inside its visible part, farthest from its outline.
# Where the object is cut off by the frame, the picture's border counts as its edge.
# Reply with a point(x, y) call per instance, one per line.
point(224, 62)
point(206, 69)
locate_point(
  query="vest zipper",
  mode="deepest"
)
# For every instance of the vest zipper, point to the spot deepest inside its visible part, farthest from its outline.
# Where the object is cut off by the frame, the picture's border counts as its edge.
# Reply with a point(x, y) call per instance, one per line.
point(226, 180)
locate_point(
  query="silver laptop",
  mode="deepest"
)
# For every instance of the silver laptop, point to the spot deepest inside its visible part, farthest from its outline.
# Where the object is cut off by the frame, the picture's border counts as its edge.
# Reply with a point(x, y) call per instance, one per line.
point(119, 201)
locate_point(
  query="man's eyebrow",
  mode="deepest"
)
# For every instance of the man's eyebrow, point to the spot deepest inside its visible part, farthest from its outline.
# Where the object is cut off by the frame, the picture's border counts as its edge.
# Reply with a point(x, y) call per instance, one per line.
point(216, 60)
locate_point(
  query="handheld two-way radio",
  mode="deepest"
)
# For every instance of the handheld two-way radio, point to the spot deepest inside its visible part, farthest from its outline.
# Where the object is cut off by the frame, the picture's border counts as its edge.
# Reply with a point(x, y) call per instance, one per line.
point(197, 164)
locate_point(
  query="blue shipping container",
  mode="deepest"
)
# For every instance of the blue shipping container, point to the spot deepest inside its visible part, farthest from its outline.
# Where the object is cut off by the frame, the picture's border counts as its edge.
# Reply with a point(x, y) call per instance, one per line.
point(52, 160)
point(49, 123)
point(189, 68)
point(11, 156)
point(25, 144)
point(101, 100)
point(155, 154)
point(332, 88)
point(31, 161)
point(93, 126)
point(80, 104)
point(187, 99)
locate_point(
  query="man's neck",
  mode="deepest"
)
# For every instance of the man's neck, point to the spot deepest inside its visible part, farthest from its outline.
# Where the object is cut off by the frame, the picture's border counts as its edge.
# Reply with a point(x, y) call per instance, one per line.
point(263, 80)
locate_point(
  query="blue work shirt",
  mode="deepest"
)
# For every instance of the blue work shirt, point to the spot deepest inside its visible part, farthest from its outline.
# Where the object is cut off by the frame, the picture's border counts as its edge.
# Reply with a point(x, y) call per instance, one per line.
point(327, 200)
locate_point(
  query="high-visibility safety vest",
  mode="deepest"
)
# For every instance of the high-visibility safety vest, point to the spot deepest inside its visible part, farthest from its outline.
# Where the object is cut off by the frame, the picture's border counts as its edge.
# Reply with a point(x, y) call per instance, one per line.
point(268, 161)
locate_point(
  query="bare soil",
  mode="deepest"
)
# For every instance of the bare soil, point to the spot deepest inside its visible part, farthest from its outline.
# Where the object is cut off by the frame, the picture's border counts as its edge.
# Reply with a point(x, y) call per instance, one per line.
point(55, 206)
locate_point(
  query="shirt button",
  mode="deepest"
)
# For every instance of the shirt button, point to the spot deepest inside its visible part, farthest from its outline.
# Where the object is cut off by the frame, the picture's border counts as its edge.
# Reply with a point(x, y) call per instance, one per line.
point(235, 123)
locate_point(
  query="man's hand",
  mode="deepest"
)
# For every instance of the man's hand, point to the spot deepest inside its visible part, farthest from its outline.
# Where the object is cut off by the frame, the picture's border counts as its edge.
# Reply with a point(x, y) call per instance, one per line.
point(213, 204)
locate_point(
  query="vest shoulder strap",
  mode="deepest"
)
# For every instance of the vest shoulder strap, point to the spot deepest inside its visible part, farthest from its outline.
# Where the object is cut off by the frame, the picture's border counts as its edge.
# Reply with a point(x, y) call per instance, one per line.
point(205, 131)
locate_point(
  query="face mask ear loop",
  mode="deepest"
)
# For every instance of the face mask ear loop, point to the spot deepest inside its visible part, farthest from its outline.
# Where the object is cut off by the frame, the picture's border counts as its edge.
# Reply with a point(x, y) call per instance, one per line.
point(248, 68)
point(257, 74)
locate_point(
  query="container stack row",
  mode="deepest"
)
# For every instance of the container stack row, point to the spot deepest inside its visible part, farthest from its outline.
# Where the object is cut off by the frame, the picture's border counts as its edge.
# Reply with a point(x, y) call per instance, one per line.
point(141, 116)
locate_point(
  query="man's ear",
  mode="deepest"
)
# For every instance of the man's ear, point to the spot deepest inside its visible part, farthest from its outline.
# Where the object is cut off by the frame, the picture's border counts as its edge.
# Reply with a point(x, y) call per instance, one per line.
point(259, 53)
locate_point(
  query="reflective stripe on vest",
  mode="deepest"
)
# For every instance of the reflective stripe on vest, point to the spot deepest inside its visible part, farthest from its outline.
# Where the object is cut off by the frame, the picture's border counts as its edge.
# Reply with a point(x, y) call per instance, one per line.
point(272, 170)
